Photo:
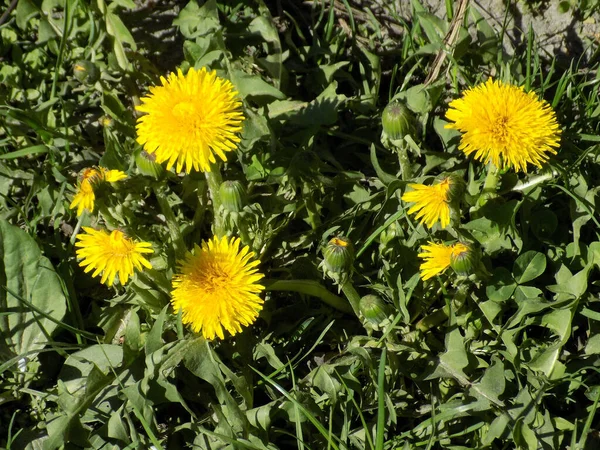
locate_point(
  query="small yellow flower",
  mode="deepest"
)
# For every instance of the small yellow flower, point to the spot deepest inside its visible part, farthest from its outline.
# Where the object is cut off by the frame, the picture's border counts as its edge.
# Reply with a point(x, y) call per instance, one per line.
point(84, 198)
point(505, 125)
point(189, 119)
point(437, 258)
point(111, 253)
point(431, 202)
point(217, 288)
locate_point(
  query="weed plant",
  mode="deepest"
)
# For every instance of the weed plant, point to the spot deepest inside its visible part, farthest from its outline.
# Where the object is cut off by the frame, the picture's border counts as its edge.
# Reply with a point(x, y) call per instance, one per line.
point(346, 340)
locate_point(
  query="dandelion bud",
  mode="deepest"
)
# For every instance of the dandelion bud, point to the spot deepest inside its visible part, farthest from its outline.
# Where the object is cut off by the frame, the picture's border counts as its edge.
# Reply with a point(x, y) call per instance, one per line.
point(456, 190)
point(85, 71)
point(464, 258)
point(233, 195)
point(397, 120)
point(373, 309)
point(339, 255)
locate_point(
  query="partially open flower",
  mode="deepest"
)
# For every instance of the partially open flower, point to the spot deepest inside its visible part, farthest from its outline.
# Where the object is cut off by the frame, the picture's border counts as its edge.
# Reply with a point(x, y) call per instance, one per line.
point(438, 257)
point(85, 197)
point(339, 255)
point(464, 258)
point(432, 203)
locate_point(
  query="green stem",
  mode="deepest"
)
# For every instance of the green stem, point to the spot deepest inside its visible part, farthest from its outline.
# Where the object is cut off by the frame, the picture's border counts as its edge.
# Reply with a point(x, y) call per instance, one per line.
point(352, 296)
point(310, 287)
point(214, 181)
point(490, 185)
point(433, 319)
point(78, 226)
point(404, 161)
point(176, 235)
point(492, 179)
point(440, 315)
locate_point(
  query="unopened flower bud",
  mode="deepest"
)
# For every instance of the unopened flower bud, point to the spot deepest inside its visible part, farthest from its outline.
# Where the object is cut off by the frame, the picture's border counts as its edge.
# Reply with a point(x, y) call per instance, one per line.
point(397, 120)
point(85, 71)
point(339, 255)
point(457, 189)
point(373, 309)
point(464, 258)
point(233, 195)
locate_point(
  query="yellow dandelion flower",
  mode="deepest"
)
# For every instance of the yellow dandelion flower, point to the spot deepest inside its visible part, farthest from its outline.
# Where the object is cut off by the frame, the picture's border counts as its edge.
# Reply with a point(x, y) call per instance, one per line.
point(217, 288)
point(85, 197)
point(504, 124)
point(431, 202)
point(437, 258)
point(111, 254)
point(189, 119)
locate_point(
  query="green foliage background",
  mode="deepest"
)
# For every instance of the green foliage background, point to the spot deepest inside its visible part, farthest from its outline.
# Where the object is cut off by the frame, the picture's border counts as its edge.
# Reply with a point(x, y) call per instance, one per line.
point(509, 360)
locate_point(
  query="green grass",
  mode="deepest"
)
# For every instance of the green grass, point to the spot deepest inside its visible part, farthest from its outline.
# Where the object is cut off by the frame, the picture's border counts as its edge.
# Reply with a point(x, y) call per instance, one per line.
point(505, 358)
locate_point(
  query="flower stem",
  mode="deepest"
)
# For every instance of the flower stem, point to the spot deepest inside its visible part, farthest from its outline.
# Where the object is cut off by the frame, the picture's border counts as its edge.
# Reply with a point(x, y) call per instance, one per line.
point(491, 180)
point(310, 287)
point(404, 161)
point(489, 186)
point(352, 296)
point(172, 224)
point(214, 180)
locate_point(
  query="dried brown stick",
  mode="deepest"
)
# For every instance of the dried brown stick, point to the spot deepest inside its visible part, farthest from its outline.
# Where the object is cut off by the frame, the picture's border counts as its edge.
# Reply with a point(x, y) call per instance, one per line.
point(449, 41)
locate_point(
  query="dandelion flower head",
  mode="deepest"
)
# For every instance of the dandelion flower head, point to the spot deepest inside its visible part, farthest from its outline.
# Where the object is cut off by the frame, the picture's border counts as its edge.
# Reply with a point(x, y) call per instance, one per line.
point(431, 202)
point(437, 258)
point(190, 119)
point(111, 254)
point(217, 288)
point(503, 124)
point(85, 197)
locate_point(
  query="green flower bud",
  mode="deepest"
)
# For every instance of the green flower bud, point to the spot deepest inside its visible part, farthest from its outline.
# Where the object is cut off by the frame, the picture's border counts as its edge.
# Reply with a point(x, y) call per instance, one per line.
point(146, 164)
point(86, 72)
point(397, 120)
point(233, 195)
point(373, 309)
point(339, 255)
point(457, 189)
point(464, 258)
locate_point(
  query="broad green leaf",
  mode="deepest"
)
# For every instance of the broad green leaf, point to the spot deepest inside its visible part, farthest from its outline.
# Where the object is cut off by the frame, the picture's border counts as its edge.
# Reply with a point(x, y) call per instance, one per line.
point(196, 21)
point(254, 86)
point(200, 360)
point(547, 362)
point(501, 286)
point(84, 376)
point(25, 10)
point(496, 429)
point(574, 286)
point(27, 276)
point(454, 359)
point(523, 293)
point(492, 384)
point(154, 339)
point(593, 345)
point(324, 377)
point(529, 266)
